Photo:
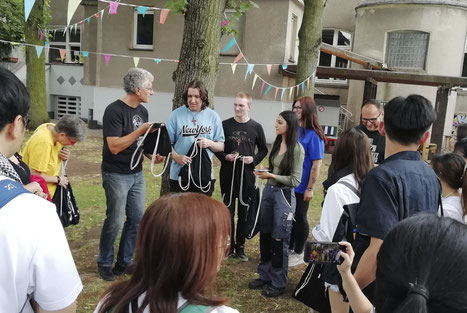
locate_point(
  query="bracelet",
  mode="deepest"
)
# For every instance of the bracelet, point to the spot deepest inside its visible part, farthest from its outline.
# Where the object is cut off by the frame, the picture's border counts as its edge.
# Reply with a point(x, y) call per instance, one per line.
point(309, 189)
point(58, 180)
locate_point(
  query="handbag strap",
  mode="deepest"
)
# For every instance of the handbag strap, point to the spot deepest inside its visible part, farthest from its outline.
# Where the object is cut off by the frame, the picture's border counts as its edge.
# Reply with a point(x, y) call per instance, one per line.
point(9, 190)
point(194, 308)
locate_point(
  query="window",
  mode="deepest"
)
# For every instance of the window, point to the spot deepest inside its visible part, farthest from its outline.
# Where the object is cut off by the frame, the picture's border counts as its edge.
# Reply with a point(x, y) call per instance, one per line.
point(293, 39)
point(464, 68)
point(237, 24)
point(67, 105)
point(337, 38)
point(143, 30)
point(407, 49)
point(70, 41)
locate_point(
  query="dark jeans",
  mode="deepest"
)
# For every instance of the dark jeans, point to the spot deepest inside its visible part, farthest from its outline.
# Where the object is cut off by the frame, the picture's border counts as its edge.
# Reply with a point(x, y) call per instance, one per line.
point(300, 227)
point(237, 238)
point(175, 187)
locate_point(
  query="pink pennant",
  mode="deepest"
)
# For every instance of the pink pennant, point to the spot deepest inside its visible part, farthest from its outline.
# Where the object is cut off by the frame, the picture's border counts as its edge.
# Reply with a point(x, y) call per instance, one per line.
point(275, 95)
point(269, 66)
point(238, 58)
point(163, 15)
point(62, 54)
point(262, 87)
point(107, 58)
point(113, 7)
point(42, 36)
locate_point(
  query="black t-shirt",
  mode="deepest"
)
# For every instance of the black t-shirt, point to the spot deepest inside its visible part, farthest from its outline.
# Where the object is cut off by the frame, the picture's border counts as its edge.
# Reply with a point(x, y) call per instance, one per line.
point(248, 140)
point(120, 120)
point(22, 170)
point(377, 143)
point(401, 186)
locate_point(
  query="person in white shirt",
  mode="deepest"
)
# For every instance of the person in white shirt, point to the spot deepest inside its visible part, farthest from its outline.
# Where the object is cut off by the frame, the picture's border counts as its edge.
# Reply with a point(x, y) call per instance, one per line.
point(182, 240)
point(351, 161)
point(37, 273)
point(450, 169)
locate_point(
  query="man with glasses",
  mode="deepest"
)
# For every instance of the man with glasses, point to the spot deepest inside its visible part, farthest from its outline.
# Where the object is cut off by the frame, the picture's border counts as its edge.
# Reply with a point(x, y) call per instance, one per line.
point(371, 116)
point(37, 266)
point(46, 149)
point(125, 122)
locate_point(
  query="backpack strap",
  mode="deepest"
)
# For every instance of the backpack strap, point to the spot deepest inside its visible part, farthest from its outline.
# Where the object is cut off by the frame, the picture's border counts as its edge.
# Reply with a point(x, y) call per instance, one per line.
point(195, 308)
point(9, 190)
point(350, 186)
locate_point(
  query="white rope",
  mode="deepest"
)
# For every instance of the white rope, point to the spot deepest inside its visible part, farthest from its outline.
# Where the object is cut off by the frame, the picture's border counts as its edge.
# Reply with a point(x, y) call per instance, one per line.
point(166, 162)
point(140, 143)
point(195, 151)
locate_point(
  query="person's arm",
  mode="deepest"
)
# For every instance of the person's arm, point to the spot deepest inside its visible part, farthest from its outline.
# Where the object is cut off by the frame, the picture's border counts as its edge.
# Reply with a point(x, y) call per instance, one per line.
point(215, 146)
point(358, 301)
point(314, 172)
point(59, 180)
point(118, 144)
point(365, 273)
point(262, 148)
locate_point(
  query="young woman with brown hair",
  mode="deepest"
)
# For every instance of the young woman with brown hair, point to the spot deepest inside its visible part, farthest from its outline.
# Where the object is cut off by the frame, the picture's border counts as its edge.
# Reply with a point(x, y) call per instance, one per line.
point(182, 240)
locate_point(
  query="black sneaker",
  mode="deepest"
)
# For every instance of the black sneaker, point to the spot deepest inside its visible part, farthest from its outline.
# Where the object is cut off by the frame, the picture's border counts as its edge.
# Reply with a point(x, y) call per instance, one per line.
point(240, 251)
point(120, 270)
point(271, 291)
point(256, 284)
point(105, 272)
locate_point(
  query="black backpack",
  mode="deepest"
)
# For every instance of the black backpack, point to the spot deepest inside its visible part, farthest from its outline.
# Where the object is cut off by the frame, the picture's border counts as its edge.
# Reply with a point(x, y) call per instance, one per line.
point(198, 172)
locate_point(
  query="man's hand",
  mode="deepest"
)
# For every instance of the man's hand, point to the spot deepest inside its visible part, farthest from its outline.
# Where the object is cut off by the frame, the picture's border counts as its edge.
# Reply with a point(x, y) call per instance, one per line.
point(248, 159)
point(181, 159)
point(157, 159)
point(64, 154)
point(144, 128)
point(231, 157)
point(204, 142)
point(63, 181)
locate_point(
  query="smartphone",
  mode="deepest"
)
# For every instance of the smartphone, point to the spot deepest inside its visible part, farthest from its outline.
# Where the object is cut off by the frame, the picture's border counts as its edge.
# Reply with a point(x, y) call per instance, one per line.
point(157, 125)
point(323, 252)
point(261, 170)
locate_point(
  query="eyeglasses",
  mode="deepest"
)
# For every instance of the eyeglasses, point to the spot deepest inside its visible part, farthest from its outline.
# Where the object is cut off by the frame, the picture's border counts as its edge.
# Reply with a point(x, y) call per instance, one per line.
point(148, 89)
point(25, 120)
point(71, 141)
point(370, 120)
point(297, 108)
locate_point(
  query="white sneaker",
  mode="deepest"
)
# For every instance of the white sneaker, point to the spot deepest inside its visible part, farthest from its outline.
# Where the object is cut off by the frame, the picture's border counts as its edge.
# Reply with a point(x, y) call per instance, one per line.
point(295, 259)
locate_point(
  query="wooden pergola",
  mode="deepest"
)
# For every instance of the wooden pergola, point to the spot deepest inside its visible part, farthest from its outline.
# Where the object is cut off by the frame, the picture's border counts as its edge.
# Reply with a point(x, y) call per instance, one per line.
point(375, 74)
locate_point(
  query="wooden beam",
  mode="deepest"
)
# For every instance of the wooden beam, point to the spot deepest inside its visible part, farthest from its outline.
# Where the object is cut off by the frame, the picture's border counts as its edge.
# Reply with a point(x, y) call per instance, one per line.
point(441, 104)
point(352, 57)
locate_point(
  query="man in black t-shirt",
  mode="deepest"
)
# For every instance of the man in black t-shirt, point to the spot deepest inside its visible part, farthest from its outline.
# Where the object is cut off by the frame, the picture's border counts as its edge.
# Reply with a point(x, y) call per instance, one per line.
point(371, 116)
point(125, 122)
point(401, 186)
point(242, 137)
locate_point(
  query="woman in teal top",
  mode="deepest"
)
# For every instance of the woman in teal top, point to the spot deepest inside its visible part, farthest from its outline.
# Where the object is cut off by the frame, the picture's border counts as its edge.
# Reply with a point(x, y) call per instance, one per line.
point(278, 205)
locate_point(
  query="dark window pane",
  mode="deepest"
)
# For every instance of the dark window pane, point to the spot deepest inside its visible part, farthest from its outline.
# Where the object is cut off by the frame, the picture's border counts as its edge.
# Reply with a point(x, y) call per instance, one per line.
point(59, 36)
point(328, 35)
point(343, 38)
point(74, 36)
point(54, 54)
point(340, 62)
point(324, 59)
point(145, 29)
point(464, 68)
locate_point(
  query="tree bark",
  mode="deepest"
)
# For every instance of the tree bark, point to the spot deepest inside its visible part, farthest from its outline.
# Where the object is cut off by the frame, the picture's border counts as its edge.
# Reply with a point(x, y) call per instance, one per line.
point(309, 39)
point(35, 74)
point(199, 54)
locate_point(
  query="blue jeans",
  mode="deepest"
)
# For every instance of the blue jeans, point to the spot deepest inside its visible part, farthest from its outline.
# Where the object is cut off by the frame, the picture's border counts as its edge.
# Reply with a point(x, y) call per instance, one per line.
point(125, 194)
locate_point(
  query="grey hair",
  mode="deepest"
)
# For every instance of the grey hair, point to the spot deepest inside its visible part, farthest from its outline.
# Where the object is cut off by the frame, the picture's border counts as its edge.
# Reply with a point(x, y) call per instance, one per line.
point(72, 126)
point(136, 78)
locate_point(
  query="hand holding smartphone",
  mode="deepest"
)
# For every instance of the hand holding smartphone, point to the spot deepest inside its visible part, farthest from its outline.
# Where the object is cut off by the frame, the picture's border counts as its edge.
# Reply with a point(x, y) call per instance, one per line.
point(323, 252)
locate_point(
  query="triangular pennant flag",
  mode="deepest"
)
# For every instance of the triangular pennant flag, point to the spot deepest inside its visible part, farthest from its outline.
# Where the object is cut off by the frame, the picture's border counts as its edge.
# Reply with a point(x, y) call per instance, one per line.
point(76, 28)
point(71, 28)
point(238, 58)
point(163, 16)
point(282, 93)
point(234, 66)
point(88, 19)
point(28, 4)
point(84, 54)
point(136, 61)
point(308, 83)
point(249, 70)
point(96, 15)
point(267, 90)
point(298, 89)
point(269, 66)
point(229, 45)
point(275, 95)
point(254, 81)
point(46, 45)
point(262, 87)
point(303, 87)
point(142, 10)
point(107, 58)
point(62, 54)
point(72, 6)
point(113, 7)
point(41, 36)
point(39, 51)
point(284, 66)
point(290, 93)
point(102, 14)
point(157, 61)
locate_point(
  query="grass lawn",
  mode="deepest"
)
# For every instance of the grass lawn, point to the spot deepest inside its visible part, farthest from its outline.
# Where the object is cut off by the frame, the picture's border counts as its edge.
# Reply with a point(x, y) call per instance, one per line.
point(84, 173)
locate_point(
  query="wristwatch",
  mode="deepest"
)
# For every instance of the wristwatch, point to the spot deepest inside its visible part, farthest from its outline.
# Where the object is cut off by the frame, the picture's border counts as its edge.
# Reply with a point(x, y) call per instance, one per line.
point(58, 180)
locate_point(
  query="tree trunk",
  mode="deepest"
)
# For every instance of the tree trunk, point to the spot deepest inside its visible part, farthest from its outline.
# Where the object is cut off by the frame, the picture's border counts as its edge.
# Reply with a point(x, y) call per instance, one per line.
point(35, 74)
point(199, 54)
point(309, 39)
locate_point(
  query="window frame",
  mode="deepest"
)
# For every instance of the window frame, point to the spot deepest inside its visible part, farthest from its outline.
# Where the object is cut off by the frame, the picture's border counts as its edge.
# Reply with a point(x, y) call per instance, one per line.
point(293, 43)
point(386, 46)
point(234, 51)
point(135, 45)
point(67, 44)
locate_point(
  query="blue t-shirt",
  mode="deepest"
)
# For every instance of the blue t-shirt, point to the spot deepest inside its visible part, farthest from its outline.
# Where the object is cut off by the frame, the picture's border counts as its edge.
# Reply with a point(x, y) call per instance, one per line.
point(314, 150)
point(184, 127)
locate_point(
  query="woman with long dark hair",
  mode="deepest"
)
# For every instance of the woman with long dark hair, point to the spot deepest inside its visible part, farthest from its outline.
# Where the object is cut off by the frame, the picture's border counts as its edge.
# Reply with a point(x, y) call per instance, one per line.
point(278, 205)
point(311, 136)
point(421, 267)
point(176, 262)
point(351, 162)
